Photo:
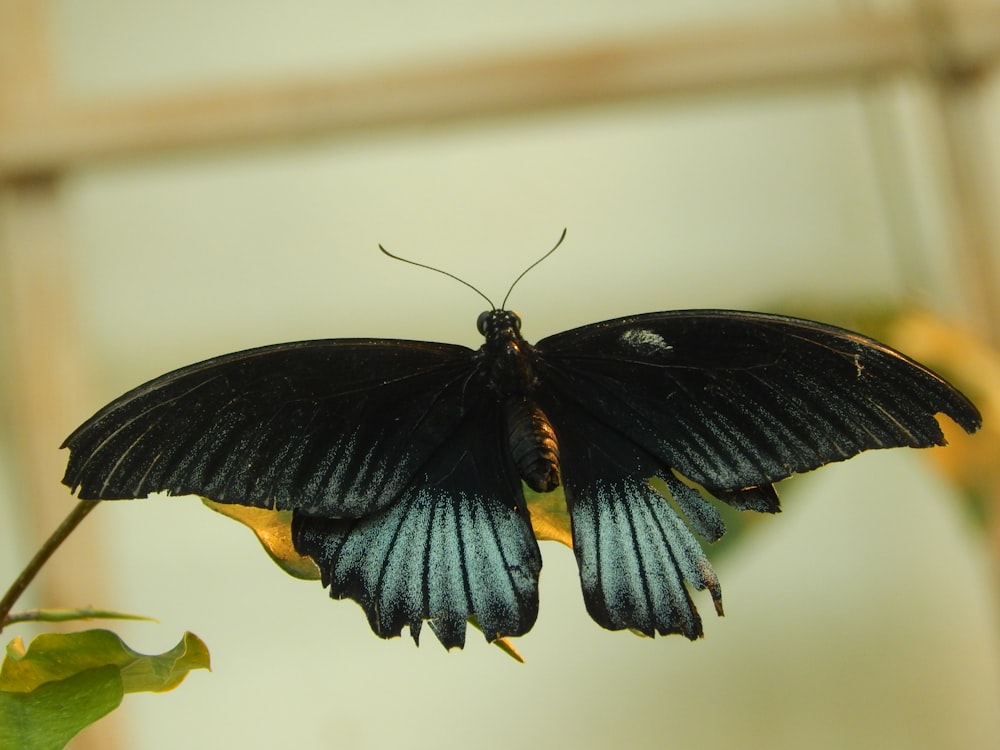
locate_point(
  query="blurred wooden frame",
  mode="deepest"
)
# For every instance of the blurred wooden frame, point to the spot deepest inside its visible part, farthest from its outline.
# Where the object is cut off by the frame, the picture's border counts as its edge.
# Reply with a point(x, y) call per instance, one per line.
point(43, 135)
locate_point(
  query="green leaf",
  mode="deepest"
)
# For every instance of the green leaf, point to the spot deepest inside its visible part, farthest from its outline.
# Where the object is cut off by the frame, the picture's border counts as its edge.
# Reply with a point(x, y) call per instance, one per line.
point(49, 716)
point(273, 529)
point(64, 682)
point(56, 656)
point(66, 615)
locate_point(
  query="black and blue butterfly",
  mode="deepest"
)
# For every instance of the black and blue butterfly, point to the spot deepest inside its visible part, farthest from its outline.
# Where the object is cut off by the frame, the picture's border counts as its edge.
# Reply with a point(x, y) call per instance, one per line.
point(403, 461)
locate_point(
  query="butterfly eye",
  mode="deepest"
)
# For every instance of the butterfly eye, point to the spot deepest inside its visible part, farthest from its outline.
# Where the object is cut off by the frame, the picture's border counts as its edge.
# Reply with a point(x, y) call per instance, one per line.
point(483, 321)
point(514, 319)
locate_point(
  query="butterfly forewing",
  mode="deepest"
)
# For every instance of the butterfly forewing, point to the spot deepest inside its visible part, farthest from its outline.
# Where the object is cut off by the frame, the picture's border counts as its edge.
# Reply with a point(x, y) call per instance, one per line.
point(735, 400)
point(337, 427)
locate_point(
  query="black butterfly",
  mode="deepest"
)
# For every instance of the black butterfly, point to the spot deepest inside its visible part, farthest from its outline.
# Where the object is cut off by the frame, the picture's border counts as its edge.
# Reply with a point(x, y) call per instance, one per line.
point(403, 461)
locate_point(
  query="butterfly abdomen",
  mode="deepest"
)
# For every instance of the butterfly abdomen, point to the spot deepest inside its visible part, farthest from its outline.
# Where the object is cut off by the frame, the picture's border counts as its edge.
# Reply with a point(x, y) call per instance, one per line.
point(533, 444)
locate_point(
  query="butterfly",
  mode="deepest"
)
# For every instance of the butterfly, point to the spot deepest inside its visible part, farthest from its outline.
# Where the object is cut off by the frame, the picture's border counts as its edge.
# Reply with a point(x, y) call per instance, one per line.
point(404, 462)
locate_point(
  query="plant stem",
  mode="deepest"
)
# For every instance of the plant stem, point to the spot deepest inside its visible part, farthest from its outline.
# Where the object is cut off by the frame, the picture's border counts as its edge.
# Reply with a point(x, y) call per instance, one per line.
point(42, 555)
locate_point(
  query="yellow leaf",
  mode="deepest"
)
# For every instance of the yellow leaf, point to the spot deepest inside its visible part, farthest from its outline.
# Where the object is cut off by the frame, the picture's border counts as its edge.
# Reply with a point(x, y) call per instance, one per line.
point(273, 529)
point(549, 516)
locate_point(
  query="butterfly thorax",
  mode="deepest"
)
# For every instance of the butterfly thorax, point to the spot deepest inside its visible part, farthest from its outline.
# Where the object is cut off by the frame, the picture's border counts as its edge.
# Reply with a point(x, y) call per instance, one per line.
point(508, 365)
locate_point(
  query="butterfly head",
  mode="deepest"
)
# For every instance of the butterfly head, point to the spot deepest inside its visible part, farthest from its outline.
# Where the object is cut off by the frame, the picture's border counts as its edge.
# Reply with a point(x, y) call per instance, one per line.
point(494, 323)
point(506, 355)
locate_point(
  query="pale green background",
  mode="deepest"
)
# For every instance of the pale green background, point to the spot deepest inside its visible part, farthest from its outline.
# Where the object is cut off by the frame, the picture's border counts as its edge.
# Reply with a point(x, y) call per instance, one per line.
point(862, 617)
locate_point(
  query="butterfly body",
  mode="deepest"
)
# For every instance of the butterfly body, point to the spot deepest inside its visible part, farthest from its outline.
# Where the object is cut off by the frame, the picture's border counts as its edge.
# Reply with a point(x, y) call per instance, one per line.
point(403, 461)
point(533, 444)
point(509, 365)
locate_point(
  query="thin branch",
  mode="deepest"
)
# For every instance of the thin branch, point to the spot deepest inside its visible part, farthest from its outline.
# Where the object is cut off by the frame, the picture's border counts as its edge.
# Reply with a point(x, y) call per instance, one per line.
point(50, 545)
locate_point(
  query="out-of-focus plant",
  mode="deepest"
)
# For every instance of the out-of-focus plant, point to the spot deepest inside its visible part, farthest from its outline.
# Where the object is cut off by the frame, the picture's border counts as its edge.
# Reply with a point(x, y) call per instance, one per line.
point(63, 682)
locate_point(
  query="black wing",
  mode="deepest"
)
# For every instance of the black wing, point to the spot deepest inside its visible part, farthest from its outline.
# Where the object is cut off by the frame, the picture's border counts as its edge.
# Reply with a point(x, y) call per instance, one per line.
point(458, 543)
point(398, 434)
point(336, 427)
point(734, 401)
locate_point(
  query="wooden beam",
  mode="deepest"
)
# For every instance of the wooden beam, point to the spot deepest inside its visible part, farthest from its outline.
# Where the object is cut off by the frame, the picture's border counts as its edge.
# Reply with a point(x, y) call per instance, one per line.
point(44, 375)
point(25, 62)
point(798, 53)
point(44, 368)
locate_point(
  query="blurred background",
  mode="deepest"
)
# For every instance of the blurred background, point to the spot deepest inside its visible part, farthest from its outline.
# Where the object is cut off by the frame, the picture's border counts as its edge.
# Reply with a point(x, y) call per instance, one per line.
point(184, 179)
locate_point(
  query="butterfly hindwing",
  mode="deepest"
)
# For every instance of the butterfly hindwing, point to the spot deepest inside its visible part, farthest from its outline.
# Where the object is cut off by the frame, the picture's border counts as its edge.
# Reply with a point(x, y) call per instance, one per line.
point(458, 544)
point(635, 553)
point(337, 427)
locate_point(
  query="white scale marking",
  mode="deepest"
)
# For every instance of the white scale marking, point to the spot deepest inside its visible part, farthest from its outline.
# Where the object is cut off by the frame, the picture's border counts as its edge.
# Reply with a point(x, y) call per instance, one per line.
point(644, 340)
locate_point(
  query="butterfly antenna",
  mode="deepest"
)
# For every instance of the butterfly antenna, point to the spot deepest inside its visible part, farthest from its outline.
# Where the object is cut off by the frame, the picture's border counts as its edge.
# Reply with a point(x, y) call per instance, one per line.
point(444, 273)
point(503, 305)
